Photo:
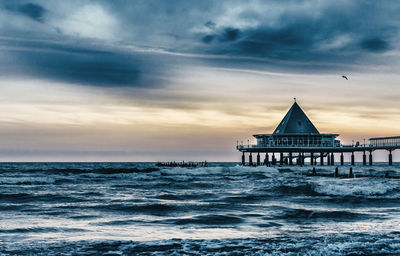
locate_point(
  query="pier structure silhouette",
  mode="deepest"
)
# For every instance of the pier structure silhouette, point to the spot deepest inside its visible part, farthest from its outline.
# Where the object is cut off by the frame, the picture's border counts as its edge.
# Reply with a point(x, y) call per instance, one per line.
point(297, 139)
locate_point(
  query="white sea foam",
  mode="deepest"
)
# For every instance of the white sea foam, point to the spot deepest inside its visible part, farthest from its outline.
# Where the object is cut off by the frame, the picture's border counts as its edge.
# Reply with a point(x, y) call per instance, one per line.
point(35, 180)
point(358, 187)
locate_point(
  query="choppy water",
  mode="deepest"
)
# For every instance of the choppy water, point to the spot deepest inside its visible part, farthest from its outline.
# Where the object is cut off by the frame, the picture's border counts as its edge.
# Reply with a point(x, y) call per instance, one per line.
point(135, 208)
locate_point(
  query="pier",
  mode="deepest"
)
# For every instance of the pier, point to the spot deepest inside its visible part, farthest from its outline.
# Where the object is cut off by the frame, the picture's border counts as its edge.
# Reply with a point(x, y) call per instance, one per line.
point(296, 139)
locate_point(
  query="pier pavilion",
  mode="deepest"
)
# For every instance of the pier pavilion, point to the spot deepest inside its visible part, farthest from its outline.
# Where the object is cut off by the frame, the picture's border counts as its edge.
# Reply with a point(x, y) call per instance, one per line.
point(297, 139)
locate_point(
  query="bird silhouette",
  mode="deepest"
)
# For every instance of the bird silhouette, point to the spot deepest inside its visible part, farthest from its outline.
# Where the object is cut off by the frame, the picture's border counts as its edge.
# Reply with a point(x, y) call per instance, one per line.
point(345, 77)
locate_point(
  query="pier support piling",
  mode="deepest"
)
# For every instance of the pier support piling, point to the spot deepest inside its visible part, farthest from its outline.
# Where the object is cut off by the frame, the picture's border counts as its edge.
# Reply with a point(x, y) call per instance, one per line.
point(258, 158)
point(329, 159)
point(281, 158)
point(390, 158)
point(301, 155)
point(352, 158)
point(321, 158)
point(243, 159)
point(336, 172)
point(266, 160)
point(312, 158)
point(332, 159)
point(364, 158)
point(290, 158)
point(251, 159)
point(351, 172)
point(370, 157)
point(341, 159)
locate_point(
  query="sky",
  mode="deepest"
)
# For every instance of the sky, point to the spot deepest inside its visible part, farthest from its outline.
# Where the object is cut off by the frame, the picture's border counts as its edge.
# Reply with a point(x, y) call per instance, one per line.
point(148, 80)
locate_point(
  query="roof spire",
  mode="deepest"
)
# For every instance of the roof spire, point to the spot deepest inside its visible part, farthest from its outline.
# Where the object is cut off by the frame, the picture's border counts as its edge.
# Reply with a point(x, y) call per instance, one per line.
point(295, 122)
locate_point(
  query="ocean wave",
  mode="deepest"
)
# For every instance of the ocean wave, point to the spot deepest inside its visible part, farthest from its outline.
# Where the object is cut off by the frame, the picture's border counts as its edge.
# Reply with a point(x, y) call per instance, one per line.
point(117, 222)
point(99, 170)
point(26, 180)
point(355, 187)
point(46, 197)
point(248, 197)
point(184, 196)
point(234, 170)
point(340, 188)
point(10, 207)
point(166, 209)
point(315, 215)
point(344, 244)
point(40, 230)
point(209, 219)
point(150, 208)
point(307, 189)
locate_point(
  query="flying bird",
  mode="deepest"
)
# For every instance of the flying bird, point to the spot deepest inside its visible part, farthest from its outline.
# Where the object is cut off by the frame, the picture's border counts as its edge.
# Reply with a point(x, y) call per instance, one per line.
point(345, 77)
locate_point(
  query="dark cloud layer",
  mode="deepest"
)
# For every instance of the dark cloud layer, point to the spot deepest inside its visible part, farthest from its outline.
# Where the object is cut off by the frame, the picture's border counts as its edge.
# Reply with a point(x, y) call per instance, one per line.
point(285, 35)
point(103, 66)
point(333, 37)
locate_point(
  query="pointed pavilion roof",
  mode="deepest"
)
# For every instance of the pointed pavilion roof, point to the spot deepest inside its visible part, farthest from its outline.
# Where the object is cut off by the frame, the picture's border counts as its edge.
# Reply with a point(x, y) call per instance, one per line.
point(296, 122)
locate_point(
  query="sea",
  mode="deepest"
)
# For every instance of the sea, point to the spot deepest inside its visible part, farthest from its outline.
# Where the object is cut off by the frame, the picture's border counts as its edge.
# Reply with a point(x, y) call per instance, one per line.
point(222, 209)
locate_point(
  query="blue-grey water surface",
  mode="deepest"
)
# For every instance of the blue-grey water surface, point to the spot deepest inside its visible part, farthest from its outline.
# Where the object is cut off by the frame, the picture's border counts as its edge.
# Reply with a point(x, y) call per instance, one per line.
point(224, 209)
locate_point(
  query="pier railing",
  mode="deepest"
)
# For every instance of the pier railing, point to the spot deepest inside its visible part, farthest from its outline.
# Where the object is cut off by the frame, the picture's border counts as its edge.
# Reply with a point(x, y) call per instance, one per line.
point(367, 147)
point(285, 146)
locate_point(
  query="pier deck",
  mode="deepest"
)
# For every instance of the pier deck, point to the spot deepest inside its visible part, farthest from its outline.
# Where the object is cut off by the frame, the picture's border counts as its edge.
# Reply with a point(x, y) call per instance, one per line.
point(299, 153)
point(255, 148)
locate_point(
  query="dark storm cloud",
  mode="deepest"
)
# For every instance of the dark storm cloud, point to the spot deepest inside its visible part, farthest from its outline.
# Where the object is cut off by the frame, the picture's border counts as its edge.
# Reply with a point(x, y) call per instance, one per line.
point(374, 45)
point(32, 10)
point(303, 35)
point(332, 38)
point(103, 66)
point(230, 34)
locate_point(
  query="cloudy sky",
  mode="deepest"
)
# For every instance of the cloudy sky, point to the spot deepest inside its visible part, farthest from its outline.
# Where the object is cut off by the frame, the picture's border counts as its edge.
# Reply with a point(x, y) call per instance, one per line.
point(184, 80)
